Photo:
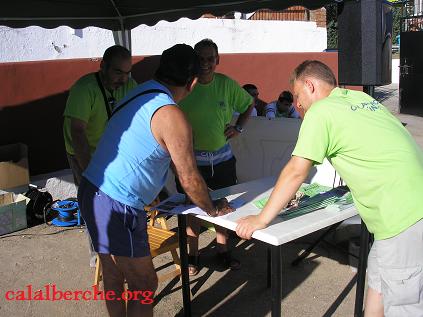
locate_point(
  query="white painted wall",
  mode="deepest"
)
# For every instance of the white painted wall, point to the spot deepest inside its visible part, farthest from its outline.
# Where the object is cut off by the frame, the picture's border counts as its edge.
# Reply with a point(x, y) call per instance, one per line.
point(231, 35)
point(35, 43)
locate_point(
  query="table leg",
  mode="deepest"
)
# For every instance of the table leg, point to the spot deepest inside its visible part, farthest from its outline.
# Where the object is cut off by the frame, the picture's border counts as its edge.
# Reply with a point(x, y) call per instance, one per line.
point(307, 251)
point(361, 270)
point(269, 267)
point(276, 282)
point(186, 292)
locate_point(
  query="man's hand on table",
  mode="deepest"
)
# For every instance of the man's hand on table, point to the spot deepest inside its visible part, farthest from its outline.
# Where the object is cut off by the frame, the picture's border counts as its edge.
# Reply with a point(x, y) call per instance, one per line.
point(247, 225)
point(222, 208)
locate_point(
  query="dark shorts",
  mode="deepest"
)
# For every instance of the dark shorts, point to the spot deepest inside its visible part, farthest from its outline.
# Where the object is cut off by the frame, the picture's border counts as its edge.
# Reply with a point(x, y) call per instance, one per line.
point(114, 228)
point(220, 176)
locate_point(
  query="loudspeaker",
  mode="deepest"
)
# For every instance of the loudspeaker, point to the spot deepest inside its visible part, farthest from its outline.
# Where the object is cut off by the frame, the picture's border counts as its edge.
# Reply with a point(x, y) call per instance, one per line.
point(364, 43)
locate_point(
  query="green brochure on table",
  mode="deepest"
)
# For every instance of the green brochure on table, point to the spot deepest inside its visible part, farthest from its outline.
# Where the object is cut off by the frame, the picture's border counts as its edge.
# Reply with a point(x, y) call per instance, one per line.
point(309, 190)
point(316, 197)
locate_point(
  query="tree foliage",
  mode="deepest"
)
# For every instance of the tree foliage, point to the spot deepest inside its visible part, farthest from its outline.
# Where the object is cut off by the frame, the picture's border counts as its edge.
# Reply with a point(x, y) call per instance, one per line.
point(332, 26)
point(396, 23)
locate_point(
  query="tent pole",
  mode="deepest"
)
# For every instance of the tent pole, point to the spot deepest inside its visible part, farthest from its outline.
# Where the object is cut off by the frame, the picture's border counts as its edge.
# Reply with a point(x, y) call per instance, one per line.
point(123, 37)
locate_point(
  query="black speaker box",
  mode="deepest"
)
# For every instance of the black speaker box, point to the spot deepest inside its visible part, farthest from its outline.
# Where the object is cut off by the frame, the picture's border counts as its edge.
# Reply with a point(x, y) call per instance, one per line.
point(364, 43)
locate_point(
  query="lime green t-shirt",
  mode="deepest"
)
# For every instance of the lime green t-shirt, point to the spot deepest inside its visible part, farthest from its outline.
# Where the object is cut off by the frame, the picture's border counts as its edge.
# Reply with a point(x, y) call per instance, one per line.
point(86, 102)
point(375, 155)
point(210, 107)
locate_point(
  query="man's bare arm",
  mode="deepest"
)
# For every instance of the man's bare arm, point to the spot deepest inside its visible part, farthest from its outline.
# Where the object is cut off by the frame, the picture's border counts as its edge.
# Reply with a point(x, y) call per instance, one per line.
point(172, 130)
point(292, 176)
point(230, 131)
point(80, 142)
point(243, 117)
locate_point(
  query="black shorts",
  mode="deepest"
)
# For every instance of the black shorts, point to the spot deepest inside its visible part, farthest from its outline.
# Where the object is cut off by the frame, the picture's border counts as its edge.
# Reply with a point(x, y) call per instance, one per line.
point(220, 176)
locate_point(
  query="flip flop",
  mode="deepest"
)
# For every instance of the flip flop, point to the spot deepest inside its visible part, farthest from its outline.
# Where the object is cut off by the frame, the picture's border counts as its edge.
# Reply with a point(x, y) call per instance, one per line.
point(193, 265)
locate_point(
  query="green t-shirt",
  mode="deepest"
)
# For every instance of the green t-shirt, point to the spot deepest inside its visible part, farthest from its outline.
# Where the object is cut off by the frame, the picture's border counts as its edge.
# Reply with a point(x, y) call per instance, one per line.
point(375, 155)
point(210, 107)
point(86, 102)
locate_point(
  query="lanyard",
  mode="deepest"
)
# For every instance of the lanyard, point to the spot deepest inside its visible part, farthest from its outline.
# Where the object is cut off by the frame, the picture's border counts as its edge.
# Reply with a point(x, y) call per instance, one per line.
point(106, 101)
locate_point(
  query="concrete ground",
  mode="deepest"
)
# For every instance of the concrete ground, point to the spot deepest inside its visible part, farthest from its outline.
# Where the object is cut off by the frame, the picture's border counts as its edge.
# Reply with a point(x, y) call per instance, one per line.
point(322, 285)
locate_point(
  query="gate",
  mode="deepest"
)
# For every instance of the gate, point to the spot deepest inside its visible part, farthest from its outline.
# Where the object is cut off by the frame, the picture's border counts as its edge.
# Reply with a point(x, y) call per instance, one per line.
point(411, 59)
point(411, 73)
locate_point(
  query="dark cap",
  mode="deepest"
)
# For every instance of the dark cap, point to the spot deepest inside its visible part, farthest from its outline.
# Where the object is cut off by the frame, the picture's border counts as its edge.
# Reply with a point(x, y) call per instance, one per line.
point(178, 65)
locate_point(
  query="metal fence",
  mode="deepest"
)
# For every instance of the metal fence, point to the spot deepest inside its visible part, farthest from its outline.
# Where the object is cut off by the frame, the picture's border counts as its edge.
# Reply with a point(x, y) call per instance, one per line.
point(412, 16)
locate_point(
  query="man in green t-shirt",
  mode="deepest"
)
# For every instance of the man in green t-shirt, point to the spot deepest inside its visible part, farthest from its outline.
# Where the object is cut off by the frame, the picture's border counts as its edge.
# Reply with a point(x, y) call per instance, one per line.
point(209, 109)
point(383, 167)
point(90, 103)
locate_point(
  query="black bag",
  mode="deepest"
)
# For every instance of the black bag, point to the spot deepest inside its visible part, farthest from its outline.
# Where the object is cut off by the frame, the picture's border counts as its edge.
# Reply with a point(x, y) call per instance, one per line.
point(39, 202)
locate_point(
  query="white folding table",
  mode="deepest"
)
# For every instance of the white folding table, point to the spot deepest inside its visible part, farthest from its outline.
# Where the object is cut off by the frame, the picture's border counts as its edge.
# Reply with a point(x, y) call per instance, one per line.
point(275, 235)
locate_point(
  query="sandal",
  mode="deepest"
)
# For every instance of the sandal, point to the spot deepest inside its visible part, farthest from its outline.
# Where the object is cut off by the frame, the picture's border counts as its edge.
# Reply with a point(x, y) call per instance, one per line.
point(228, 261)
point(193, 263)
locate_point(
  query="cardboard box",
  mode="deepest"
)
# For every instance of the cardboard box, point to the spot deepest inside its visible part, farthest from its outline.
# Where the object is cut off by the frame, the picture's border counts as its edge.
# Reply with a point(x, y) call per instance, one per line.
point(13, 165)
point(12, 212)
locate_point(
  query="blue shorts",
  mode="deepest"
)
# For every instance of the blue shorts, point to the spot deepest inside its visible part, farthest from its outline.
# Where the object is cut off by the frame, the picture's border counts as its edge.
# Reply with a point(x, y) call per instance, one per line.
point(114, 228)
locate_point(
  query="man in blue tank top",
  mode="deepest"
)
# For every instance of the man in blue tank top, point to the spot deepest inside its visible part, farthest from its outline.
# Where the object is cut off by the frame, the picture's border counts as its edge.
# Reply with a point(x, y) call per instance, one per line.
point(146, 132)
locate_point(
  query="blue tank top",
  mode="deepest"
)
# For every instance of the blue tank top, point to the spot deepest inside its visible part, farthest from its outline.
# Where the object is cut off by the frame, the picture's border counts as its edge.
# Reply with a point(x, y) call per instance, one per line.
point(128, 164)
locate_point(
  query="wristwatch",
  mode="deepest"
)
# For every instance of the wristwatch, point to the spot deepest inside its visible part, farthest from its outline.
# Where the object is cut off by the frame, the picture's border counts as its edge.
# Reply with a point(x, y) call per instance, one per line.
point(239, 128)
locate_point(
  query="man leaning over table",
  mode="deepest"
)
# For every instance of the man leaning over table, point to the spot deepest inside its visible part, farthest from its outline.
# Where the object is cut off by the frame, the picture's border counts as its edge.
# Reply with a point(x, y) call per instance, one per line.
point(383, 167)
point(145, 134)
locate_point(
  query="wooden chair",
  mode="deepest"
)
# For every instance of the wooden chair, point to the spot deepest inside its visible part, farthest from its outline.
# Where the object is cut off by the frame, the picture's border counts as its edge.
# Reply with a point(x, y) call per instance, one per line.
point(161, 240)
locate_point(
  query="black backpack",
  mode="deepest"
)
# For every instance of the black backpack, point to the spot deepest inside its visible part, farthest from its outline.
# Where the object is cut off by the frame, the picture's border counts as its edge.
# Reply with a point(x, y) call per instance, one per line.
point(39, 202)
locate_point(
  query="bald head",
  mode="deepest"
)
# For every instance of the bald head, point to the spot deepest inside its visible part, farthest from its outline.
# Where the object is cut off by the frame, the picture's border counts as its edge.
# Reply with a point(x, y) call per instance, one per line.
point(315, 69)
point(311, 81)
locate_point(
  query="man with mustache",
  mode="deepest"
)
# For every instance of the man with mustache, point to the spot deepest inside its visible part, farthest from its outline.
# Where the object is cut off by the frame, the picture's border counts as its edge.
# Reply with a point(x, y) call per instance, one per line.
point(90, 103)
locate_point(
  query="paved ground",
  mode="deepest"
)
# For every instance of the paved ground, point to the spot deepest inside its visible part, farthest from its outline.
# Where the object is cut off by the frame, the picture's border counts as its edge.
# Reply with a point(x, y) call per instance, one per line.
point(323, 285)
point(320, 286)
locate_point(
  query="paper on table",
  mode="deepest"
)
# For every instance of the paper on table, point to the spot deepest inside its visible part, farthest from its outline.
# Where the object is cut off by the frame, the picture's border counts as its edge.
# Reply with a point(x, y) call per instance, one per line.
point(175, 205)
point(338, 195)
point(316, 197)
point(309, 190)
